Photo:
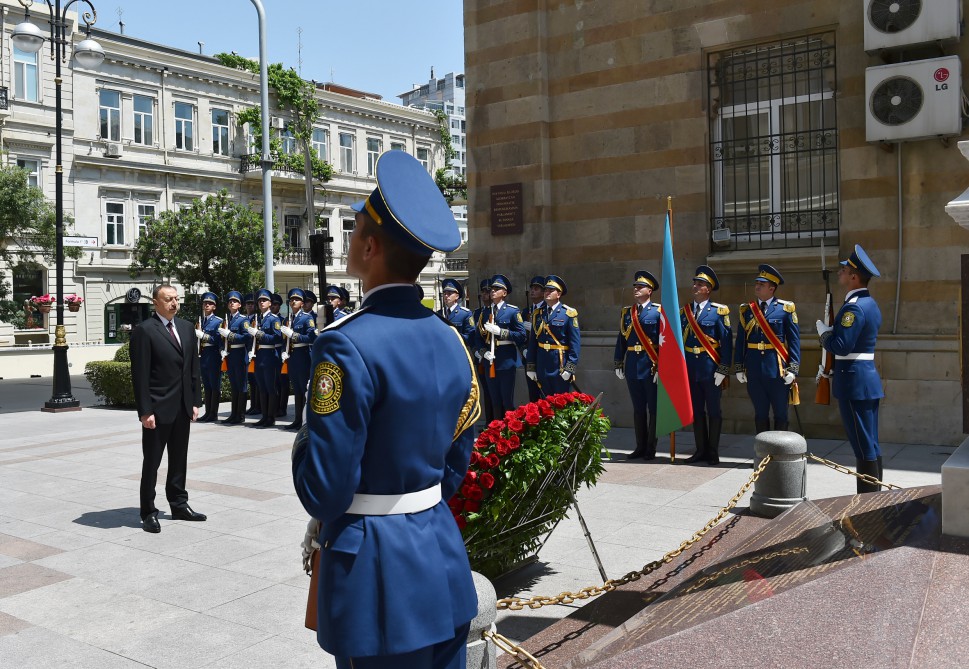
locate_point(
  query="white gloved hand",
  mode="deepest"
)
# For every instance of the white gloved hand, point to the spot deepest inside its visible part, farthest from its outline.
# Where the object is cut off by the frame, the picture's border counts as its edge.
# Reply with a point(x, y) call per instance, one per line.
point(287, 331)
point(532, 375)
point(621, 375)
point(489, 356)
point(822, 328)
point(225, 354)
point(477, 354)
point(566, 376)
point(528, 326)
point(310, 543)
point(718, 378)
point(285, 356)
point(789, 378)
point(199, 334)
point(492, 328)
point(225, 332)
point(655, 377)
point(252, 331)
point(821, 374)
point(741, 377)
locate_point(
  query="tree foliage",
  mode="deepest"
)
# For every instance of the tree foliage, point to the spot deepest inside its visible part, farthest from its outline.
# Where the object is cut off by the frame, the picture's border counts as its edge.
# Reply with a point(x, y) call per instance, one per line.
point(452, 185)
point(216, 243)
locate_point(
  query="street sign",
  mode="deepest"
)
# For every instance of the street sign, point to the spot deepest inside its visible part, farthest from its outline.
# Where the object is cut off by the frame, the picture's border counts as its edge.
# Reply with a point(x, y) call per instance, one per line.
point(83, 242)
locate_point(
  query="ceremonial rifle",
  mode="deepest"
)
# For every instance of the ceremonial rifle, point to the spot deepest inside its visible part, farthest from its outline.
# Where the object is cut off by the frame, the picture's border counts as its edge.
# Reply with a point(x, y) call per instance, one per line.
point(225, 349)
point(491, 372)
point(823, 393)
point(319, 241)
point(289, 345)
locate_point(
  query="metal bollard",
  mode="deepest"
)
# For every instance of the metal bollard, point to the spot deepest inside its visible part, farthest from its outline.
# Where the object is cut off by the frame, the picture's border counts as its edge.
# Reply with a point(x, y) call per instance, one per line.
point(482, 654)
point(783, 483)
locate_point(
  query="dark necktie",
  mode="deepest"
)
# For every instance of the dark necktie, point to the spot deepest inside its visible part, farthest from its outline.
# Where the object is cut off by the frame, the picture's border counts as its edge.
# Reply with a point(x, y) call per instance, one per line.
point(171, 330)
point(763, 307)
point(696, 309)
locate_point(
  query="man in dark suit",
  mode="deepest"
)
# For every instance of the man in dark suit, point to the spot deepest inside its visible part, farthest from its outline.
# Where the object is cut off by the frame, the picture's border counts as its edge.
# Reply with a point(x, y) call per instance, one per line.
point(165, 374)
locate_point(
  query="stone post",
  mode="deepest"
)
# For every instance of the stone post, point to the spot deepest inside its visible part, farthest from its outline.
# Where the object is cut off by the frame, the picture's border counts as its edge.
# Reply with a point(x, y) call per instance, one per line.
point(482, 654)
point(784, 481)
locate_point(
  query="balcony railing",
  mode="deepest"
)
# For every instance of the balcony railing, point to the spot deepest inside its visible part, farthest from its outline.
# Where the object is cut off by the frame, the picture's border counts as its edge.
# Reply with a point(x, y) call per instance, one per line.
point(4, 102)
point(299, 255)
point(456, 264)
point(253, 161)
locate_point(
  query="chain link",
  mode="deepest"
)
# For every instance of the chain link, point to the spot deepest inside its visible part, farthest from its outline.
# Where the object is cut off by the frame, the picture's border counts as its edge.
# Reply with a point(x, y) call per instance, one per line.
point(509, 646)
point(844, 470)
point(538, 601)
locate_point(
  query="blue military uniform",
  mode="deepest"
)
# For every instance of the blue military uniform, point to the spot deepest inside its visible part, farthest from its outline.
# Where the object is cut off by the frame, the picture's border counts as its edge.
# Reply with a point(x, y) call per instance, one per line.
point(501, 386)
point(392, 401)
point(476, 344)
point(713, 320)
point(635, 359)
point(760, 362)
point(304, 334)
point(554, 342)
point(254, 408)
point(856, 383)
point(282, 378)
point(344, 295)
point(534, 393)
point(210, 360)
point(268, 359)
point(237, 359)
point(458, 316)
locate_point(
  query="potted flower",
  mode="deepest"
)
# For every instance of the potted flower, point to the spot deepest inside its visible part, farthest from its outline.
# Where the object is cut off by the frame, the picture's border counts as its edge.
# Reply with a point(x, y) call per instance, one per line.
point(44, 303)
point(73, 302)
point(524, 471)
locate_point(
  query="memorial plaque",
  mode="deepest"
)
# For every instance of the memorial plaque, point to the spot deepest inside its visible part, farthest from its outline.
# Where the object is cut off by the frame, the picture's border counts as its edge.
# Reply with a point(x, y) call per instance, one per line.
point(506, 209)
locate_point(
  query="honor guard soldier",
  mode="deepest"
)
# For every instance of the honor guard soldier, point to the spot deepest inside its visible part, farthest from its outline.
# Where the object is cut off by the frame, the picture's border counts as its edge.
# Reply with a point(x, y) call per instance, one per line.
point(536, 300)
point(267, 341)
point(636, 358)
point(210, 356)
point(501, 331)
point(707, 344)
point(454, 312)
point(251, 315)
point(338, 297)
point(282, 379)
point(235, 351)
point(392, 403)
point(553, 347)
point(309, 302)
point(768, 353)
point(478, 346)
point(856, 384)
point(300, 333)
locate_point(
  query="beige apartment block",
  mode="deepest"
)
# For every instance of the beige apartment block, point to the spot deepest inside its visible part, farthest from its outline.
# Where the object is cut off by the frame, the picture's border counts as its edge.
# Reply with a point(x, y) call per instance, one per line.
point(752, 115)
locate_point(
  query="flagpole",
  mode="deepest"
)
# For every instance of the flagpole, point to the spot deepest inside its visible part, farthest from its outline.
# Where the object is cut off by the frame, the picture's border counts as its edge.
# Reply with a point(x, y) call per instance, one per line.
point(669, 214)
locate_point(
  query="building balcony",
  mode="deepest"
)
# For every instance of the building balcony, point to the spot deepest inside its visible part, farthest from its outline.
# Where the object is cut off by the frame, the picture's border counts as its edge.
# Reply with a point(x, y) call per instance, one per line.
point(455, 264)
point(4, 98)
point(252, 162)
point(300, 255)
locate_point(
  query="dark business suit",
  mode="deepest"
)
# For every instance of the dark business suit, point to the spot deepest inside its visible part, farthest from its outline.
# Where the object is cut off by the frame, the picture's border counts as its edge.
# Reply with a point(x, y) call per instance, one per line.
point(166, 384)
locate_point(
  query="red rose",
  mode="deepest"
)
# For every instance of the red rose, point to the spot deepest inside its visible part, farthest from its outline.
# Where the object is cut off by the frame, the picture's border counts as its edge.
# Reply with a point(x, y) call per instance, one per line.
point(509, 415)
point(470, 477)
point(520, 412)
point(543, 405)
point(514, 442)
point(588, 399)
point(462, 523)
point(533, 419)
point(516, 425)
point(487, 481)
point(558, 401)
point(502, 448)
point(495, 425)
point(493, 461)
point(472, 507)
point(474, 459)
point(455, 504)
point(476, 493)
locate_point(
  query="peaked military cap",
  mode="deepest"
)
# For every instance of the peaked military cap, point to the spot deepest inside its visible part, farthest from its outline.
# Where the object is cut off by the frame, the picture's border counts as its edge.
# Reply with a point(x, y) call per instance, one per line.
point(409, 205)
point(485, 285)
point(556, 282)
point(249, 298)
point(210, 297)
point(333, 291)
point(860, 261)
point(452, 284)
point(537, 281)
point(309, 296)
point(644, 278)
point(501, 281)
point(235, 295)
point(768, 273)
point(345, 294)
point(706, 273)
point(295, 292)
point(276, 298)
point(264, 293)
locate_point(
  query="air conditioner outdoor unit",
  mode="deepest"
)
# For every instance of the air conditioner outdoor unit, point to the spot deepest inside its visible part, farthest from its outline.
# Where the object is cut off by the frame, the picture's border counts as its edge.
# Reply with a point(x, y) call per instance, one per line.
point(279, 122)
point(113, 150)
point(915, 100)
point(893, 24)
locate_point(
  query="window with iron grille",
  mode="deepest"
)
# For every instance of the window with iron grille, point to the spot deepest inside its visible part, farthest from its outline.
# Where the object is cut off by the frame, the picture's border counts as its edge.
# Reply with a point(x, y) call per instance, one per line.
point(291, 230)
point(774, 144)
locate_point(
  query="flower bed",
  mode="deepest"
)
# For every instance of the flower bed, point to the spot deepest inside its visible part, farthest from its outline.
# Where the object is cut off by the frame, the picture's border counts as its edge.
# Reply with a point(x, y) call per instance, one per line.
point(524, 470)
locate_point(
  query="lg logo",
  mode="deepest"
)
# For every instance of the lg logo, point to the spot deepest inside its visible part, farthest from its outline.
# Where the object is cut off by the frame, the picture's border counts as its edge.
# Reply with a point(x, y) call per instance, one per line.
point(941, 75)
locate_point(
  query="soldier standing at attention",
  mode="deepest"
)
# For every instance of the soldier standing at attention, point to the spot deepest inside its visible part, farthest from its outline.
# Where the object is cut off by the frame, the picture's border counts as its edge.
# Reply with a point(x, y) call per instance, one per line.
point(536, 300)
point(477, 345)
point(636, 358)
point(301, 334)
point(234, 332)
point(309, 302)
point(502, 331)
point(338, 297)
point(768, 353)
point(856, 384)
point(266, 331)
point(251, 317)
point(453, 312)
point(387, 443)
point(707, 343)
point(553, 348)
point(210, 357)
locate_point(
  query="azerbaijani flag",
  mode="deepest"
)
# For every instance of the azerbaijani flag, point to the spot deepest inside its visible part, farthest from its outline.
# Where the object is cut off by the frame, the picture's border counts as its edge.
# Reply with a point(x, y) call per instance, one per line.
point(674, 408)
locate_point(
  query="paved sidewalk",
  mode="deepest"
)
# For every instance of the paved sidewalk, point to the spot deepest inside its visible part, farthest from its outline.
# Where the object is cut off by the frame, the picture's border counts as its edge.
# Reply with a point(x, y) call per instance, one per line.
point(82, 585)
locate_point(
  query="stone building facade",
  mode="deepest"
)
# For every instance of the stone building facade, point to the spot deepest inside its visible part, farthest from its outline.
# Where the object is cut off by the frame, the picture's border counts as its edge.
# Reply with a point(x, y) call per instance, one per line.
point(752, 116)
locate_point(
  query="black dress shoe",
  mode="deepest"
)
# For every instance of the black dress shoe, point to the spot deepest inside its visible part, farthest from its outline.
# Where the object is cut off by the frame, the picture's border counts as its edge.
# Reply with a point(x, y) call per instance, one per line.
point(186, 513)
point(150, 523)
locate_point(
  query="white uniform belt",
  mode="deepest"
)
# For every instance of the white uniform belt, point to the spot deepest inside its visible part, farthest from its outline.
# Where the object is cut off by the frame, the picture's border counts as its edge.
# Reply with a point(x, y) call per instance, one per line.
point(504, 342)
point(856, 356)
point(389, 505)
point(237, 346)
point(265, 346)
point(207, 345)
point(299, 345)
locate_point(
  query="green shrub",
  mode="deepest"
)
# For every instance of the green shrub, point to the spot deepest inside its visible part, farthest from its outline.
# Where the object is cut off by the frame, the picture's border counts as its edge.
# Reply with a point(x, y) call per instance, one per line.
point(111, 382)
point(123, 354)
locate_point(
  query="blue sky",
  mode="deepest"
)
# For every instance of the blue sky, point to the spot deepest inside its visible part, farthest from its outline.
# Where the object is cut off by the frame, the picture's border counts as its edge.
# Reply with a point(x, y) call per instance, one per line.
point(380, 46)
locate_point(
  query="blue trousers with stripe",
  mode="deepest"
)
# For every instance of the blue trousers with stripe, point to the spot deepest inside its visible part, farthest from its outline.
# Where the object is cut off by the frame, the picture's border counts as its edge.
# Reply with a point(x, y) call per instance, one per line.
point(860, 418)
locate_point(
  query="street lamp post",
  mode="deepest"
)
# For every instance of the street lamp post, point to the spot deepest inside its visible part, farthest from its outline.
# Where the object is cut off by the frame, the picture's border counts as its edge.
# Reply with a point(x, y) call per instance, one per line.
point(88, 53)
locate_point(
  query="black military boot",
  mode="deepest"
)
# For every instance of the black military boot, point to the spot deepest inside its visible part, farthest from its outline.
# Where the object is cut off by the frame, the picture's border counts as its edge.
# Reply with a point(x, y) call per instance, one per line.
point(283, 401)
point(881, 469)
point(254, 405)
point(783, 427)
point(215, 401)
point(761, 426)
point(700, 436)
point(713, 441)
point(300, 404)
point(639, 427)
point(207, 417)
point(650, 438)
point(238, 404)
point(869, 467)
point(272, 401)
point(263, 403)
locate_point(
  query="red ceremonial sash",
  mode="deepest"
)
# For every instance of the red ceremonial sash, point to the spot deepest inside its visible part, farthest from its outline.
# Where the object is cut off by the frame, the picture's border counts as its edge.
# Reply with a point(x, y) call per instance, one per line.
point(701, 336)
point(769, 333)
point(643, 339)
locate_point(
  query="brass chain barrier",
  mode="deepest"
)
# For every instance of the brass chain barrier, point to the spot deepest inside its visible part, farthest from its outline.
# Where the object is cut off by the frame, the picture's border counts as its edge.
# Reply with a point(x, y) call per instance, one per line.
point(844, 470)
point(742, 564)
point(538, 601)
point(504, 643)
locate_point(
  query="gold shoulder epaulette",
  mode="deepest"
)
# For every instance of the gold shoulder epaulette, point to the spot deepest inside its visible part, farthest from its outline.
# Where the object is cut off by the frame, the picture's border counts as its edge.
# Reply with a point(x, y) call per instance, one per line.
point(625, 310)
point(570, 312)
point(723, 310)
point(659, 307)
point(744, 307)
point(788, 307)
